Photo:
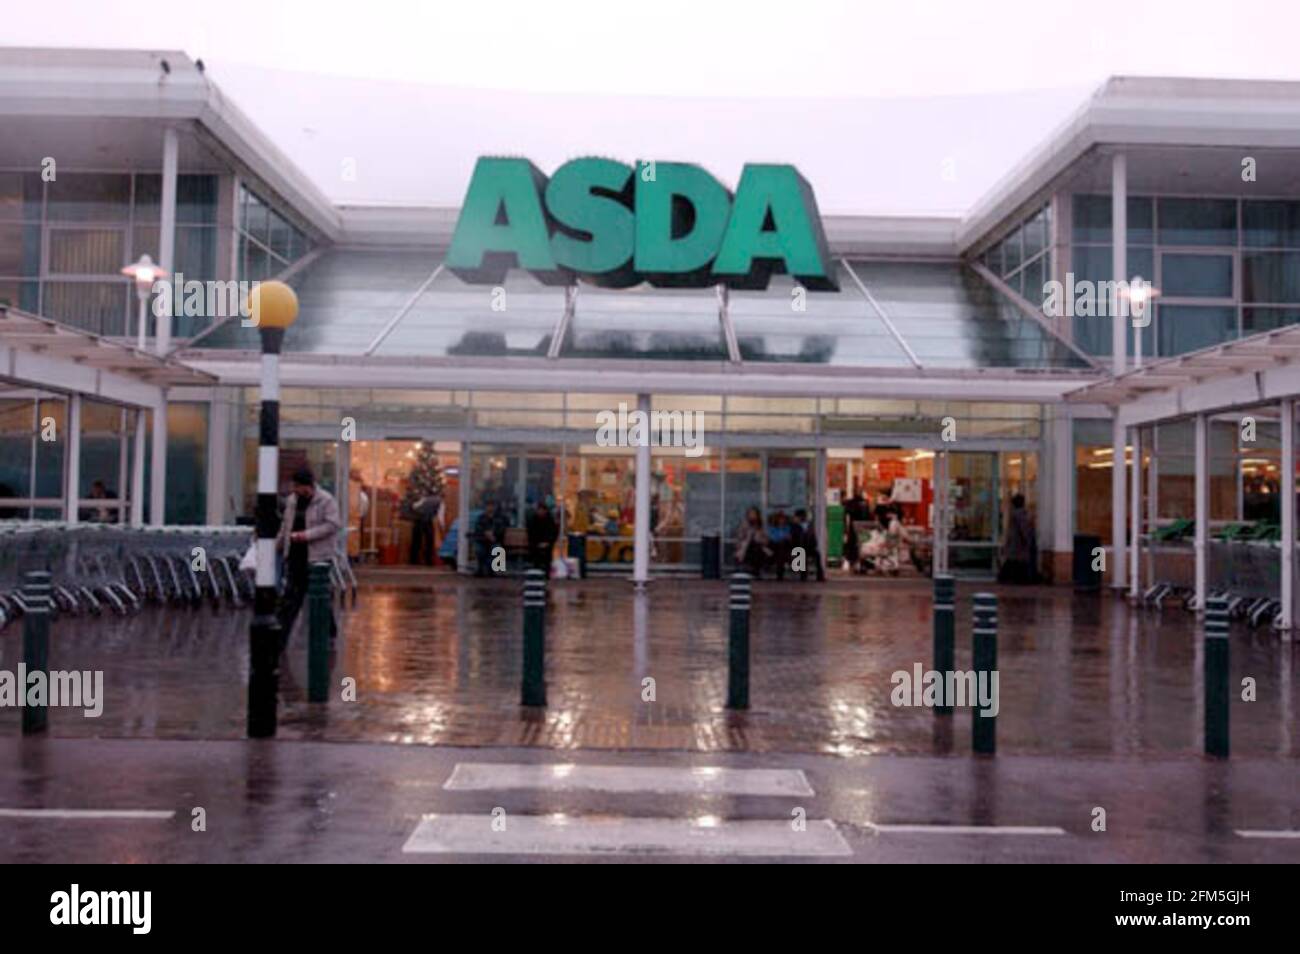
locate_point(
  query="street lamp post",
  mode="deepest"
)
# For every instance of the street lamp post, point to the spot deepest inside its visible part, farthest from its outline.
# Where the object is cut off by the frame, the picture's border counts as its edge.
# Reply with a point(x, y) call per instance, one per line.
point(272, 306)
point(144, 273)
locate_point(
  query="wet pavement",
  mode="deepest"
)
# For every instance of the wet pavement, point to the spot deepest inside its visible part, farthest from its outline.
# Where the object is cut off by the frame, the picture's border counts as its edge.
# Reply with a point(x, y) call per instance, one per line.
point(440, 663)
point(279, 801)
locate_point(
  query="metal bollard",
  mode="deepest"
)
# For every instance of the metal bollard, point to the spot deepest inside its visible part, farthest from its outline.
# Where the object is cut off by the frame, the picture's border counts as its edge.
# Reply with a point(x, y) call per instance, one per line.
point(320, 619)
point(945, 629)
point(534, 691)
point(36, 643)
point(1216, 677)
point(738, 642)
point(984, 659)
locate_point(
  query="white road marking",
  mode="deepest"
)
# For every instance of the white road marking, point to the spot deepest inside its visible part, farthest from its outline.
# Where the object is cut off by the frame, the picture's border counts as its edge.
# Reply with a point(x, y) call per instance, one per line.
point(967, 829)
point(605, 835)
point(1264, 833)
point(123, 814)
point(627, 779)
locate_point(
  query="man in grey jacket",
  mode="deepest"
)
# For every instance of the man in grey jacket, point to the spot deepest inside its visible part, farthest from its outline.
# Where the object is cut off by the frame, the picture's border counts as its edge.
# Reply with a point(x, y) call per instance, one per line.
point(308, 532)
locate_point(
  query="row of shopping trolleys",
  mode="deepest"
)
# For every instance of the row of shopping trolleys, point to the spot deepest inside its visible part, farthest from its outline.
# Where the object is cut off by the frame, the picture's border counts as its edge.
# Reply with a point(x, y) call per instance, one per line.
point(1255, 611)
point(105, 569)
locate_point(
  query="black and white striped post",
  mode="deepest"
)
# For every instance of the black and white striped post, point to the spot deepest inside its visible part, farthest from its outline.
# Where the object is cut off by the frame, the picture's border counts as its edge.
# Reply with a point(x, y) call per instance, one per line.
point(38, 604)
point(534, 690)
point(1216, 677)
point(272, 307)
point(738, 642)
point(945, 634)
point(984, 660)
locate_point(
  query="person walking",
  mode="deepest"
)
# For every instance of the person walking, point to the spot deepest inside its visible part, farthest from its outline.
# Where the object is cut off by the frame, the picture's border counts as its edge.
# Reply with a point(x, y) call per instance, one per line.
point(489, 533)
point(424, 513)
point(308, 534)
point(542, 533)
point(1020, 563)
point(802, 534)
point(752, 551)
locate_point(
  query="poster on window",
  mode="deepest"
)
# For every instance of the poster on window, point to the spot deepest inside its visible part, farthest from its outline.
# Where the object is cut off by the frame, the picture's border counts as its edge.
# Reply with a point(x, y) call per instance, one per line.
point(906, 490)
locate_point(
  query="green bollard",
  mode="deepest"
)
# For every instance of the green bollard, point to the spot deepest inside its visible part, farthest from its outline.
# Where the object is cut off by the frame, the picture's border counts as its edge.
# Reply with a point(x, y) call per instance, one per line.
point(738, 642)
point(1216, 677)
point(36, 643)
point(984, 660)
point(534, 691)
point(320, 619)
point(945, 632)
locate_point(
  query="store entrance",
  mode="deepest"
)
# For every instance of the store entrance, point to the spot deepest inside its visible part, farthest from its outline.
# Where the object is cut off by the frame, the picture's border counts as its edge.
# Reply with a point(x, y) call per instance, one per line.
point(868, 488)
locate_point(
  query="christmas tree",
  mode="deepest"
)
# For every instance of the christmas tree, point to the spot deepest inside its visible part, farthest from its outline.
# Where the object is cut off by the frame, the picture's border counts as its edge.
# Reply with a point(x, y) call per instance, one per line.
point(424, 480)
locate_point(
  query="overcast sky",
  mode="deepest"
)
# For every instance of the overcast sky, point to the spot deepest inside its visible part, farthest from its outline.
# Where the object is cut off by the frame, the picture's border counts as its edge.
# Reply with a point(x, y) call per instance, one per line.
point(905, 107)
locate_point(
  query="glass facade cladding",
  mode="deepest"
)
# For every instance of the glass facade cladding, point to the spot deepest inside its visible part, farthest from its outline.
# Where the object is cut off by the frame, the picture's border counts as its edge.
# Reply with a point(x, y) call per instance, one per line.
point(1224, 267)
point(401, 303)
point(64, 242)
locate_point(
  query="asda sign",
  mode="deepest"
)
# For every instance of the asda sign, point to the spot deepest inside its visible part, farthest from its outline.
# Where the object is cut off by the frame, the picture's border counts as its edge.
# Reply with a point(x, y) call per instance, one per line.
point(668, 223)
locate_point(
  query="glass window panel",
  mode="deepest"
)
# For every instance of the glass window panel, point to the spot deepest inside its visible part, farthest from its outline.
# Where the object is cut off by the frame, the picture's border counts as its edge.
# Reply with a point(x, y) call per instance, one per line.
point(836, 328)
point(951, 317)
point(20, 196)
point(257, 218)
point(1270, 277)
point(196, 199)
point(90, 197)
point(98, 307)
point(1092, 262)
point(16, 433)
point(1198, 222)
point(1092, 219)
point(24, 295)
point(49, 454)
point(87, 251)
point(1270, 224)
point(645, 322)
point(1012, 252)
point(20, 251)
point(1036, 234)
point(1198, 276)
point(1035, 276)
point(1189, 327)
point(145, 240)
point(196, 252)
point(280, 236)
point(1255, 320)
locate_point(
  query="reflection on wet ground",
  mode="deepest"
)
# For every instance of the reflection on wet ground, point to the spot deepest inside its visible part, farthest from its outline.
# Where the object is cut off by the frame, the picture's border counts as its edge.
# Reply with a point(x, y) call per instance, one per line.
point(440, 663)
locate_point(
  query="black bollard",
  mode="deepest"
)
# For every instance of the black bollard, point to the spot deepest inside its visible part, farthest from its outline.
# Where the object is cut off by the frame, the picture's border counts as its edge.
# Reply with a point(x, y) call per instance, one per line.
point(945, 629)
point(320, 619)
point(534, 692)
point(36, 643)
point(738, 642)
point(984, 659)
point(1216, 677)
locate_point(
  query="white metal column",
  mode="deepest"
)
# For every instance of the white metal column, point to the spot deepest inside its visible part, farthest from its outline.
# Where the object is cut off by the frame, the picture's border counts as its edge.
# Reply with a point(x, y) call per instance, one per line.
point(939, 554)
point(137, 471)
point(343, 488)
point(123, 465)
point(158, 467)
point(819, 507)
point(167, 233)
point(72, 467)
point(1287, 493)
point(641, 529)
point(462, 509)
point(1202, 536)
point(1118, 507)
point(1135, 531)
point(218, 478)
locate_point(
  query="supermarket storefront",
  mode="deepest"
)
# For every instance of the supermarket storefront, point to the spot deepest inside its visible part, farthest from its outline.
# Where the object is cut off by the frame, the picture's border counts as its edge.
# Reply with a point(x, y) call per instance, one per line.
point(798, 410)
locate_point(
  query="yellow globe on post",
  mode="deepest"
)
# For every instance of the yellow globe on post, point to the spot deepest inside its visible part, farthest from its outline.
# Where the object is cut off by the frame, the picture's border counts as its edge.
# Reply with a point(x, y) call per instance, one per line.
point(272, 305)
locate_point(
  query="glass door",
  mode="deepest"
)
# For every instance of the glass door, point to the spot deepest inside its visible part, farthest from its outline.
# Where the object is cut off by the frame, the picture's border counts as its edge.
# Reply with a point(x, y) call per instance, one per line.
point(974, 510)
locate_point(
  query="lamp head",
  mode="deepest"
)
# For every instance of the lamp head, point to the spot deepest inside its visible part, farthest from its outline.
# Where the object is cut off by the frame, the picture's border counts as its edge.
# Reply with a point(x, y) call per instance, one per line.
point(272, 305)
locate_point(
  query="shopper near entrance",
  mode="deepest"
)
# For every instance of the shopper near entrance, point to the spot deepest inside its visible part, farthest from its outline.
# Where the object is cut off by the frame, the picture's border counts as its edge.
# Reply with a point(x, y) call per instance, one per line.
point(542, 534)
point(1020, 563)
point(802, 534)
point(489, 532)
point(308, 534)
point(752, 550)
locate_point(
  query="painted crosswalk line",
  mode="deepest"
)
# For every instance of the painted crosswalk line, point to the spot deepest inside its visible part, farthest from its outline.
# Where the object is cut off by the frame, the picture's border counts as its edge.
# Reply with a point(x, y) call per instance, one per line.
point(627, 779)
point(88, 814)
point(886, 829)
point(610, 835)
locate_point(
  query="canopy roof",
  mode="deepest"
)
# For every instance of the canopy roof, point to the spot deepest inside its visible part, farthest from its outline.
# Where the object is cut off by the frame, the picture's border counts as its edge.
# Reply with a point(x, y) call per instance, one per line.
point(900, 315)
